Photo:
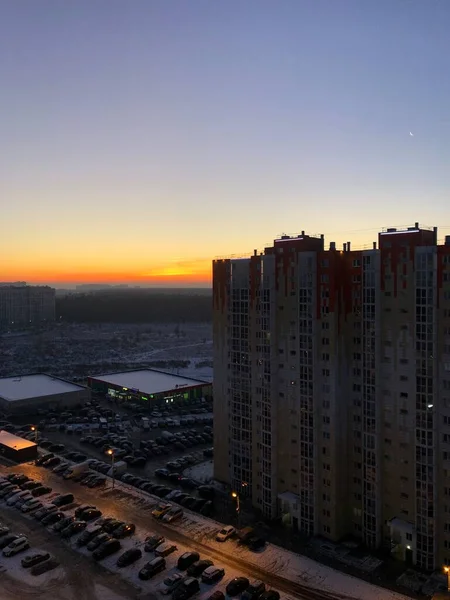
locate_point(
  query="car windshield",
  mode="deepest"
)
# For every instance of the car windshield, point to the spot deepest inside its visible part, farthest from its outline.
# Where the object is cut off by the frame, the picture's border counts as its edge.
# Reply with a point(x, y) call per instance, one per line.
point(168, 581)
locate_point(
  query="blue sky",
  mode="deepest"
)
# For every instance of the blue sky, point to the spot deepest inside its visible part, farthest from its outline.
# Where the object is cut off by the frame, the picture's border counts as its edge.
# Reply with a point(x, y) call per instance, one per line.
point(146, 137)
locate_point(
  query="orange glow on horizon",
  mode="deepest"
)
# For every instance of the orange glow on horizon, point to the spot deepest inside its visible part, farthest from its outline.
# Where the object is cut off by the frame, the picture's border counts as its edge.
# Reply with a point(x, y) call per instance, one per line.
point(183, 273)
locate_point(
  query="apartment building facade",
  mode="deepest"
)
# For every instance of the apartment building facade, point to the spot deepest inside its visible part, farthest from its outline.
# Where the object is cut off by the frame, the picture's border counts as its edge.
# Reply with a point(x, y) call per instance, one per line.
point(22, 305)
point(332, 388)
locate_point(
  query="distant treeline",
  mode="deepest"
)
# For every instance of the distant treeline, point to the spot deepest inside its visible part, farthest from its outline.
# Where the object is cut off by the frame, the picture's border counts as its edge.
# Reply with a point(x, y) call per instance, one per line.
point(135, 306)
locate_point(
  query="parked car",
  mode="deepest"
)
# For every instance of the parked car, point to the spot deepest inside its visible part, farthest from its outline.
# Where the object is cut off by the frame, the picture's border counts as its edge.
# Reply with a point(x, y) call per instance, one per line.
point(163, 473)
point(198, 567)
point(256, 543)
point(254, 590)
point(90, 514)
point(129, 557)
point(44, 511)
point(187, 589)
point(270, 595)
point(80, 510)
point(237, 585)
point(153, 542)
point(187, 559)
point(53, 517)
point(171, 583)
point(110, 526)
point(152, 568)
point(212, 574)
point(174, 514)
point(124, 530)
point(161, 510)
point(106, 549)
point(165, 549)
point(16, 497)
point(8, 539)
point(18, 545)
point(51, 462)
point(73, 529)
point(63, 523)
point(225, 533)
point(31, 505)
point(41, 491)
point(3, 530)
point(206, 491)
point(31, 485)
point(88, 535)
point(34, 559)
point(217, 595)
point(41, 460)
point(63, 499)
point(97, 541)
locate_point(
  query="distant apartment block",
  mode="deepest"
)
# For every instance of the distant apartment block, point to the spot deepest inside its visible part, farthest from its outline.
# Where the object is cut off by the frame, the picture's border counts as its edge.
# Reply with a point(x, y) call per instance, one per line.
point(23, 305)
point(332, 388)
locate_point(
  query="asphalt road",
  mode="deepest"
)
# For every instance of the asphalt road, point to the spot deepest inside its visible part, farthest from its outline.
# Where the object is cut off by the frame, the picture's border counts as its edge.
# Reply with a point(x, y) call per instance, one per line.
point(118, 503)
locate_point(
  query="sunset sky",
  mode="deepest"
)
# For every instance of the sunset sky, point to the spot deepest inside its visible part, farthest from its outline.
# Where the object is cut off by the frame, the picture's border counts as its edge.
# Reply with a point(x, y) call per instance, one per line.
point(141, 139)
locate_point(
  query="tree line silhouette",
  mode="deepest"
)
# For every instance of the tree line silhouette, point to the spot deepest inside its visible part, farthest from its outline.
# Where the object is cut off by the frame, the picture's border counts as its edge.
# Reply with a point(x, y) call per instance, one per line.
point(136, 306)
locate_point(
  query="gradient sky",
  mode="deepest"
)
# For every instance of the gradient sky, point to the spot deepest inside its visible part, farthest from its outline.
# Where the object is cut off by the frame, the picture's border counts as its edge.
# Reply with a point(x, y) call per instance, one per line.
point(141, 139)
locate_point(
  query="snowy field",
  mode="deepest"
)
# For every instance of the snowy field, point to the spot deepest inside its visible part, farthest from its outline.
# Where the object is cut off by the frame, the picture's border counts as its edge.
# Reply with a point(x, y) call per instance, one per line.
point(70, 350)
point(203, 472)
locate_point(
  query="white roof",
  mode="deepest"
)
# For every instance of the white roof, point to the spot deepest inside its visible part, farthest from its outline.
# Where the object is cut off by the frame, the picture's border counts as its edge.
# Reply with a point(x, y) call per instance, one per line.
point(14, 441)
point(148, 381)
point(34, 386)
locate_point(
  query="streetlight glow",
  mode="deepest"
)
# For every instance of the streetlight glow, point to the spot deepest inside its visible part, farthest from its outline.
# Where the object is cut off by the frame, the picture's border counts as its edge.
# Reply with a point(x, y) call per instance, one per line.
point(110, 451)
point(234, 494)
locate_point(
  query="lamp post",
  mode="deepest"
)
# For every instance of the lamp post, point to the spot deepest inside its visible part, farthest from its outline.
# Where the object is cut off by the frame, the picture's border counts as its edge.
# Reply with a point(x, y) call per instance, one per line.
point(35, 429)
point(447, 572)
point(111, 453)
point(235, 495)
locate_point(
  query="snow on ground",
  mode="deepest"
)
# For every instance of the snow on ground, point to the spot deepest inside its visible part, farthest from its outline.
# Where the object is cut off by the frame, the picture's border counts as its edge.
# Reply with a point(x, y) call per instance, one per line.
point(273, 559)
point(203, 472)
point(289, 565)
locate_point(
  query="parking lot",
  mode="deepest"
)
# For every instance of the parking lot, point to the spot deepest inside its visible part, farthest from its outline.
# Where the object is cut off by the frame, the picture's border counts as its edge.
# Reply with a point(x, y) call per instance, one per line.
point(113, 504)
point(156, 456)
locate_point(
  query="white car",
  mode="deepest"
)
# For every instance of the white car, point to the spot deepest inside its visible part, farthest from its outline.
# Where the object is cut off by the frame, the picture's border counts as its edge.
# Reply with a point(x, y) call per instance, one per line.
point(225, 533)
point(18, 545)
point(32, 504)
point(171, 583)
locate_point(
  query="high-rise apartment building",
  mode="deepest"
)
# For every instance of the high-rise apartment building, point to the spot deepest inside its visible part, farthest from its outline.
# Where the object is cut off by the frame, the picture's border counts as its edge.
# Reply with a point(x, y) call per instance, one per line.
point(23, 305)
point(332, 388)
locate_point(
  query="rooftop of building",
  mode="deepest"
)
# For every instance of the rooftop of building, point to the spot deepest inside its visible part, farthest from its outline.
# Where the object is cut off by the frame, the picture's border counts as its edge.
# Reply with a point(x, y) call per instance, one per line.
point(14, 441)
point(317, 238)
point(149, 381)
point(34, 386)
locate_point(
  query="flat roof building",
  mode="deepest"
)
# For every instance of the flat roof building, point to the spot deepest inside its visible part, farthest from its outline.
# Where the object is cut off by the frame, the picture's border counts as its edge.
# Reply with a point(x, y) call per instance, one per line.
point(27, 393)
point(16, 448)
point(150, 385)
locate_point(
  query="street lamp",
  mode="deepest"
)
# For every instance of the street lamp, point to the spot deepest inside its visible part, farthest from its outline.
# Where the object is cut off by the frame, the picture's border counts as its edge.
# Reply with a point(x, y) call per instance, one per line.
point(111, 453)
point(235, 495)
point(35, 429)
point(447, 572)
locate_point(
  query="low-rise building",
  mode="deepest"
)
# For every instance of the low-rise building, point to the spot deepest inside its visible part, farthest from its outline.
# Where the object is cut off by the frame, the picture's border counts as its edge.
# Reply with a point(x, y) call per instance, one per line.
point(150, 387)
point(28, 393)
point(16, 448)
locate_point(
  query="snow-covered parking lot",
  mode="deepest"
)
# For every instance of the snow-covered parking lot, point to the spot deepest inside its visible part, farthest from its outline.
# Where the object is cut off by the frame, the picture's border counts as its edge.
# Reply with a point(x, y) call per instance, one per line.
point(291, 574)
